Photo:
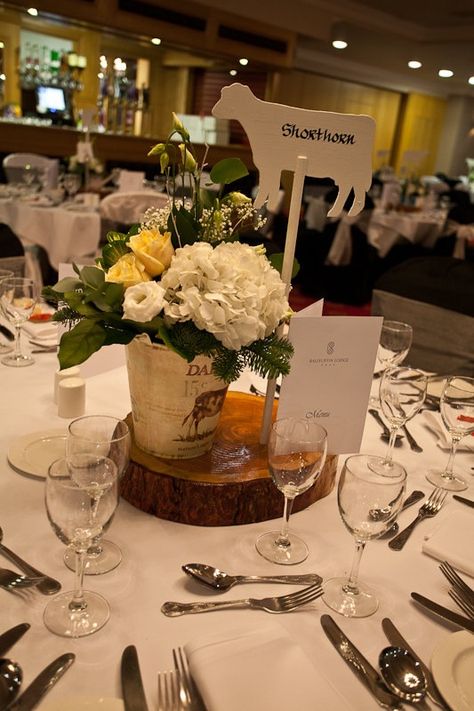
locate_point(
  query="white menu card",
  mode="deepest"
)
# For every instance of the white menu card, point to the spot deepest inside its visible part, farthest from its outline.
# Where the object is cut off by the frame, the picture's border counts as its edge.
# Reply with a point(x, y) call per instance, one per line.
point(331, 373)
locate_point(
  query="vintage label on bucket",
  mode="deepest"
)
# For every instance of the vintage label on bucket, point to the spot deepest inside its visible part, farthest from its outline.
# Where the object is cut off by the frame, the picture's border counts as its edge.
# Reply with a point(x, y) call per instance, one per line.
point(175, 404)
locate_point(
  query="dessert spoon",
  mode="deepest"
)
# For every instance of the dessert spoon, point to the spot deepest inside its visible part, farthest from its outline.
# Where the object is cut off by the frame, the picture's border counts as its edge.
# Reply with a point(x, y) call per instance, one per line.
point(11, 676)
point(219, 580)
point(403, 674)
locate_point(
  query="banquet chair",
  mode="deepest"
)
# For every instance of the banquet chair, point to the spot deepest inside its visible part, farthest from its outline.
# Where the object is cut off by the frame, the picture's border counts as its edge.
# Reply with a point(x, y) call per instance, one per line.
point(435, 295)
point(17, 265)
point(14, 164)
point(33, 258)
point(128, 208)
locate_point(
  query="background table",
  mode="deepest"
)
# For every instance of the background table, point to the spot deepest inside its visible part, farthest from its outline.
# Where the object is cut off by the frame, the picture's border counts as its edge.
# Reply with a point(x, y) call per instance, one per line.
point(154, 550)
point(386, 228)
point(64, 233)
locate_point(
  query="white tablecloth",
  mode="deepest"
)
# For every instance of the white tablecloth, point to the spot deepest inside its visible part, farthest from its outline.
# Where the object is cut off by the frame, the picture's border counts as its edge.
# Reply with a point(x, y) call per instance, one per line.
point(385, 228)
point(64, 233)
point(154, 550)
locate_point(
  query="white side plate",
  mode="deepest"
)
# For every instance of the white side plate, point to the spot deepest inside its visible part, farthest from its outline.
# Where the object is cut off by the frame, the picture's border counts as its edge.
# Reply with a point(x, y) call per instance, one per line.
point(33, 453)
point(452, 666)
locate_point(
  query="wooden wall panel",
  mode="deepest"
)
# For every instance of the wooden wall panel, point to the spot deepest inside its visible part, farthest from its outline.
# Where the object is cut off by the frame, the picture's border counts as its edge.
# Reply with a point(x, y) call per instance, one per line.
point(421, 127)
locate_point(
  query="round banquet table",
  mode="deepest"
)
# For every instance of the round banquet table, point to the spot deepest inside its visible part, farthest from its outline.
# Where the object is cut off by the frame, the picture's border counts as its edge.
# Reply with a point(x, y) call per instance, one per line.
point(386, 228)
point(64, 233)
point(154, 550)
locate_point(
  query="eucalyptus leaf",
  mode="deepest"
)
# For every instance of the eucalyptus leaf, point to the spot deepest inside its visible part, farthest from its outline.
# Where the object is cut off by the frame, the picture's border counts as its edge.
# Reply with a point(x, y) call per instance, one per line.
point(67, 284)
point(112, 252)
point(186, 227)
point(228, 170)
point(92, 277)
point(276, 260)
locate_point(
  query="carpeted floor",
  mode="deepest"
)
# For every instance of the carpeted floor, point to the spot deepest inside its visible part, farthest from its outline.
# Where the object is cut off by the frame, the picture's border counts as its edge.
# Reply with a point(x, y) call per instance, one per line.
point(299, 301)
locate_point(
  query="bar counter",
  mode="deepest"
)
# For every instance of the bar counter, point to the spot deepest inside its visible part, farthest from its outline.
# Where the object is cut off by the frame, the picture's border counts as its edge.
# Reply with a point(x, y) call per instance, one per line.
point(61, 141)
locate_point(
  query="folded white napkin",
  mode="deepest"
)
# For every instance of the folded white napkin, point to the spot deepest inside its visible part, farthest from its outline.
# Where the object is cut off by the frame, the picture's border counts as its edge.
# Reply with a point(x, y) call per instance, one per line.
point(452, 541)
point(251, 669)
point(433, 421)
point(47, 333)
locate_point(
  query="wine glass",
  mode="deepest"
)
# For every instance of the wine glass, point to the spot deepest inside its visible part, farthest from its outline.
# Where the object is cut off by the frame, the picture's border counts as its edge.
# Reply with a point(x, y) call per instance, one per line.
point(394, 344)
point(402, 393)
point(5, 274)
point(107, 436)
point(71, 184)
point(457, 412)
point(296, 454)
point(80, 500)
point(369, 503)
point(18, 297)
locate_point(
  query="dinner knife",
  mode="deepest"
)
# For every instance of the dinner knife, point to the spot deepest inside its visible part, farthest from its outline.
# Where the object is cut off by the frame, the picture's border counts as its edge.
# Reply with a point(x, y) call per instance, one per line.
point(7, 333)
point(385, 430)
point(444, 612)
point(132, 685)
point(463, 500)
point(40, 686)
point(11, 637)
point(395, 638)
point(359, 664)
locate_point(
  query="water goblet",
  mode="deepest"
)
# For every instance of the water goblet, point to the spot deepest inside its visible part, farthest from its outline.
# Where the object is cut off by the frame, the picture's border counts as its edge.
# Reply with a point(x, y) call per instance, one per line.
point(71, 184)
point(457, 412)
point(394, 344)
point(107, 436)
point(18, 297)
point(369, 503)
point(5, 274)
point(296, 455)
point(80, 500)
point(402, 393)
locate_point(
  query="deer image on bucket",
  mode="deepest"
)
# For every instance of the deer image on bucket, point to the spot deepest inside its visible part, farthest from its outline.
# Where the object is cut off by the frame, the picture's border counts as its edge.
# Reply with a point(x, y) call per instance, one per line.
point(205, 405)
point(175, 404)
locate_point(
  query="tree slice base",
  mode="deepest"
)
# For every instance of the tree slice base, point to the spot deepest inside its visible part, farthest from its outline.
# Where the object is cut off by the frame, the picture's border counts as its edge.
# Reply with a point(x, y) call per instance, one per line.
point(228, 485)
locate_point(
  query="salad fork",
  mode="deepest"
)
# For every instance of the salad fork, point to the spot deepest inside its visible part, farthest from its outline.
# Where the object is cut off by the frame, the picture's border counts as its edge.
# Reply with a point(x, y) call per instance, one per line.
point(277, 605)
point(168, 692)
point(463, 602)
point(430, 508)
point(189, 695)
point(456, 580)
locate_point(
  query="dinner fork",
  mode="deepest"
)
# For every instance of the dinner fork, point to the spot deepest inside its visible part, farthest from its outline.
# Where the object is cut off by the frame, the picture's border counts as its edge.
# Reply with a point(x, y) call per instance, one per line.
point(277, 605)
point(430, 508)
point(14, 581)
point(168, 692)
point(463, 602)
point(188, 693)
point(456, 580)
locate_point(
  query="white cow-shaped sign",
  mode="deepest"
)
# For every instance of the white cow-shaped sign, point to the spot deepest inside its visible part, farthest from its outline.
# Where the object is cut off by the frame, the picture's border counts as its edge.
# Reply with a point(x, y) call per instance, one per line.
point(338, 146)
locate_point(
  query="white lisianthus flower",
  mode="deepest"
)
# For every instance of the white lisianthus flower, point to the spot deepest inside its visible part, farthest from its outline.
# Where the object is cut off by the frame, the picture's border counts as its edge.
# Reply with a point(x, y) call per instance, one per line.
point(231, 291)
point(143, 301)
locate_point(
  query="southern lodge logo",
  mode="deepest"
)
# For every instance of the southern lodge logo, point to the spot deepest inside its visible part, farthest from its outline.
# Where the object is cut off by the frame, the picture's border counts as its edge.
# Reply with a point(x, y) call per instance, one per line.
point(330, 347)
point(291, 130)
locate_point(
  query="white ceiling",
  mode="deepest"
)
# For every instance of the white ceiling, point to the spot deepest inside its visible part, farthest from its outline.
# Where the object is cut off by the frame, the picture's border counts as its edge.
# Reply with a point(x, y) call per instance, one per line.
point(382, 34)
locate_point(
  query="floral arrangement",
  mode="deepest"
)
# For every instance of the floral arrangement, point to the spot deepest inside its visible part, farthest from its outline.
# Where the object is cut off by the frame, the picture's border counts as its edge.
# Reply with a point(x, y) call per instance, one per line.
point(183, 278)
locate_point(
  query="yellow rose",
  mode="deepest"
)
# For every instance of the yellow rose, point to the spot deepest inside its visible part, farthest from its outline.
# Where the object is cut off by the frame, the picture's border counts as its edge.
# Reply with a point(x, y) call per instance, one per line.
point(153, 249)
point(128, 270)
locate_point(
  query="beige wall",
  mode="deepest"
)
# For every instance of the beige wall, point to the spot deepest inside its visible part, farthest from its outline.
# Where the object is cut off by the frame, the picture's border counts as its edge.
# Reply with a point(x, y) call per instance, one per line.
point(456, 144)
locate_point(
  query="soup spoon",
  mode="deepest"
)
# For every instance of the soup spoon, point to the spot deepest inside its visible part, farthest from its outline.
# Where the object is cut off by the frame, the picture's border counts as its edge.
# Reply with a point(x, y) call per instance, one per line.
point(11, 676)
point(219, 580)
point(403, 674)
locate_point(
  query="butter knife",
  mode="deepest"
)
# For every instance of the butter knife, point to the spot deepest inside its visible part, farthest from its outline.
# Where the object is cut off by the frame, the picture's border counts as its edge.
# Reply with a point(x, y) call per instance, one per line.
point(444, 612)
point(395, 638)
point(132, 685)
point(359, 664)
point(11, 637)
point(43, 683)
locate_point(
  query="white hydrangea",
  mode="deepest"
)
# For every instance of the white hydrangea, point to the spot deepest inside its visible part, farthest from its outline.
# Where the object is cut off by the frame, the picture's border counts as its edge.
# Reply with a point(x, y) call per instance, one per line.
point(231, 291)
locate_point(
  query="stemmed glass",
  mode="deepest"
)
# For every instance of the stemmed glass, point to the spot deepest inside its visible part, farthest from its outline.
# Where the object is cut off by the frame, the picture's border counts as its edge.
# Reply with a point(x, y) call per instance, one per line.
point(457, 412)
point(296, 454)
point(80, 500)
point(369, 503)
point(394, 344)
point(71, 184)
point(18, 297)
point(106, 436)
point(5, 274)
point(402, 393)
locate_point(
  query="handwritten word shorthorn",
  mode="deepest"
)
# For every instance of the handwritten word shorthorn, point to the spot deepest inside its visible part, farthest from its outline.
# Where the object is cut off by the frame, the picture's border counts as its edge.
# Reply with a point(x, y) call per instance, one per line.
point(291, 130)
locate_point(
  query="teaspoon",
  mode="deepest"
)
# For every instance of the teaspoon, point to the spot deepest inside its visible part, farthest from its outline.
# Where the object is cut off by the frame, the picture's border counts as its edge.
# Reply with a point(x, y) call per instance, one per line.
point(219, 580)
point(11, 676)
point(403, 674)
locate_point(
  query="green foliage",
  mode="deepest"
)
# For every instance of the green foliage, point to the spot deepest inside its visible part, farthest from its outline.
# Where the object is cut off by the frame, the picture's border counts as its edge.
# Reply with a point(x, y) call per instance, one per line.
point(276, 260)
point(228, 170)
